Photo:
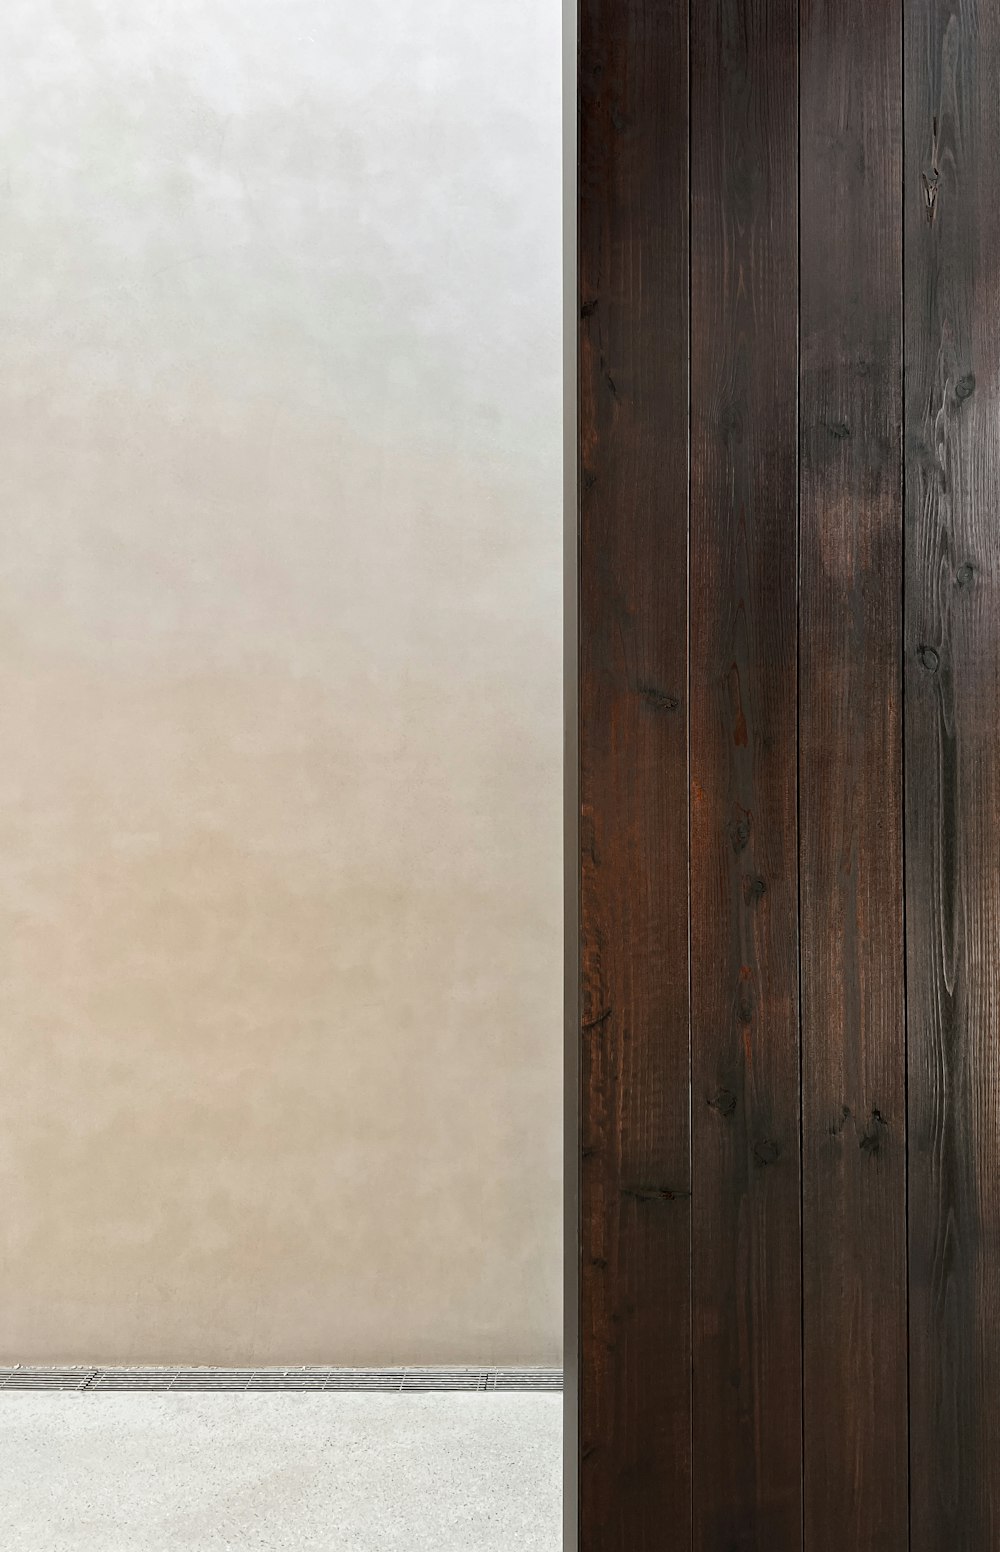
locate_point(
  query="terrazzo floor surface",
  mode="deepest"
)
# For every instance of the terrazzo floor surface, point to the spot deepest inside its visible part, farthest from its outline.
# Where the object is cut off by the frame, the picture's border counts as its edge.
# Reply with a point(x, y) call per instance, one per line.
point(266, 1472)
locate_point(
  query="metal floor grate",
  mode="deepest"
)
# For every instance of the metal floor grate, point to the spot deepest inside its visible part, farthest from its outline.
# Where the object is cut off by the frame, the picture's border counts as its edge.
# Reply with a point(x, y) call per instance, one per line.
point(25, 1377)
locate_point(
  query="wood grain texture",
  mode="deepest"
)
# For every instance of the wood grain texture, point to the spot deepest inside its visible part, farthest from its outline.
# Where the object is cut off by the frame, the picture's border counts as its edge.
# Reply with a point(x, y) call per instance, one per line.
point(952, 780)
point(850, 794)
point(764, 1371)
point(744, 971)
point(635, 1287)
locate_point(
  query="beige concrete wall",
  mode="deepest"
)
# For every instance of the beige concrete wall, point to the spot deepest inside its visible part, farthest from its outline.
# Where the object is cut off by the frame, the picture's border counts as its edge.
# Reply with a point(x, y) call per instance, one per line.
point(280, 681)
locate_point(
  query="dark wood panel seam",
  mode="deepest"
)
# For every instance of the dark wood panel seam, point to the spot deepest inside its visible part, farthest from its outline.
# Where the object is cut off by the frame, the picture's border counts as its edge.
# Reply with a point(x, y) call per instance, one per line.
point(798, 760)
point(902, 748)
point(687, 736)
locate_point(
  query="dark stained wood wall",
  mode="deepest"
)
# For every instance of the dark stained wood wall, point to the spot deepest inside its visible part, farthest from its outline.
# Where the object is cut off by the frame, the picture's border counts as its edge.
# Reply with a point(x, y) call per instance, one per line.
point(952, 766)
point(635, 1170)
point(745, 1264)
point(789, 775)
point(850, 780)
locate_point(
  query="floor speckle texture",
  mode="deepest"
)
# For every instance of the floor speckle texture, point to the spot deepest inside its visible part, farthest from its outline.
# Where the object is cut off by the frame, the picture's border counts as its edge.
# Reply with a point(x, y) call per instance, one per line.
point(345, 1473)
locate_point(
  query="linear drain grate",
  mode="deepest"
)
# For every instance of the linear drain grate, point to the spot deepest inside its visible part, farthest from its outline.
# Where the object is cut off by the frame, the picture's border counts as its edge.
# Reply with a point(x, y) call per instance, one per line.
point(389, 1380)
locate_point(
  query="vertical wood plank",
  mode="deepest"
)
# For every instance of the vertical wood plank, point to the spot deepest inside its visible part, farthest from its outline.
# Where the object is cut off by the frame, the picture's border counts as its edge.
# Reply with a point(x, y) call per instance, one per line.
point(744, 961)
point(635, 1181)
point(850, 763)
point(572, 999)
point(952, 766)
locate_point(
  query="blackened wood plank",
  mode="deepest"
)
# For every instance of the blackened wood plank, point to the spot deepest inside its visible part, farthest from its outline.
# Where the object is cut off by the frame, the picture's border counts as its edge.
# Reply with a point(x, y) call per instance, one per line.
point(635, 1250)
point(850, 764)
point(744, 964)
point(952, 765)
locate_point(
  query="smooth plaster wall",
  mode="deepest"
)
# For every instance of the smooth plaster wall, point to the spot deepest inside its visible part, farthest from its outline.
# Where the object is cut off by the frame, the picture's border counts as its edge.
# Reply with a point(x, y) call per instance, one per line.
point(280, 879)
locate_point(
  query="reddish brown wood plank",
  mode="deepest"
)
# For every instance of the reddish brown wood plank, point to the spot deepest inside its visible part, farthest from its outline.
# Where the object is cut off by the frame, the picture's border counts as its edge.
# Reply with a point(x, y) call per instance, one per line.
point(635, 1289)
point(952, 713)
point(850, 764)
point(744, 969)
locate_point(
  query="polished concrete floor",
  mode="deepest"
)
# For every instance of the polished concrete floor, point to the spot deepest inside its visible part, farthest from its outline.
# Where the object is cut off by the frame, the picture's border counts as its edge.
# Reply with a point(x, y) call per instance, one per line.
point(266, 1472)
